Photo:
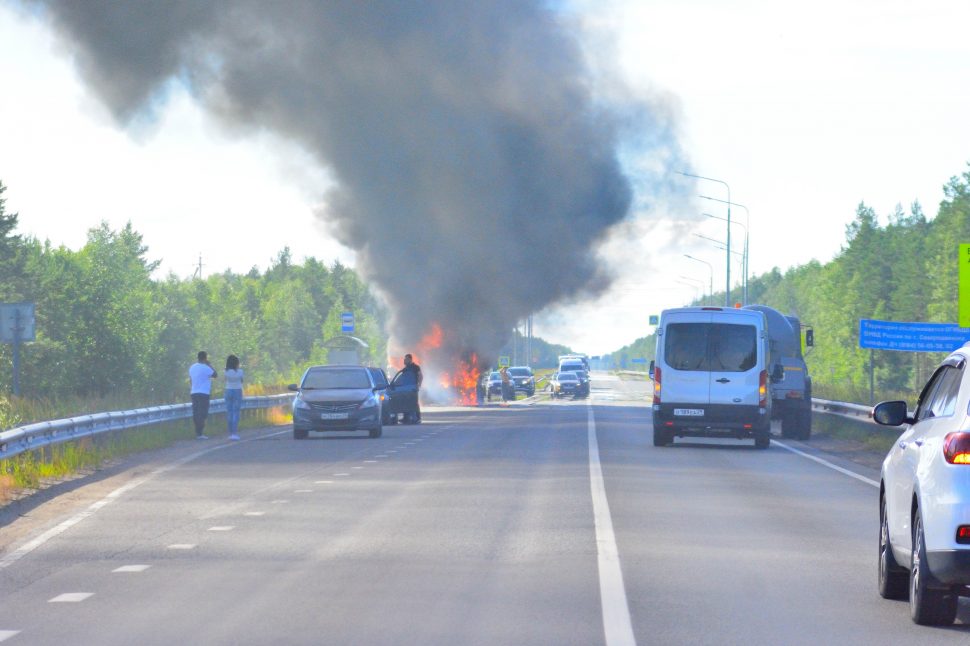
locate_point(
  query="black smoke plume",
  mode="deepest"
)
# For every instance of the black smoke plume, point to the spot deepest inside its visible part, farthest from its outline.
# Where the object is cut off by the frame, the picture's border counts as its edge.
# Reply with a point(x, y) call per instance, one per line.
point(475, 168)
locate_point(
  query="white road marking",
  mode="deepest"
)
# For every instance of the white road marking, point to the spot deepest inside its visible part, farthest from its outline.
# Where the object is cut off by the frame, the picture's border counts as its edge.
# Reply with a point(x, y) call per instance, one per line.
point(131, 568)
point(380, 457)
point(392, 451)
point(7, 634)
point(31, 545)
point(341, 474)
point(826, 463)
point(356, 467)
point(617, 626)
point(278, 502)
point(222, 528)
point(182, 546)
point(303, 491)
point(71, 597)
point(370, 461)
point(255, 513)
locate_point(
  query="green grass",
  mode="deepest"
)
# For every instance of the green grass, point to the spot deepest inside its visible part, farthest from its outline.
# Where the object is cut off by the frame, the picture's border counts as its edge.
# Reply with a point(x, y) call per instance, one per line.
point(34, 469)
point(876, 438)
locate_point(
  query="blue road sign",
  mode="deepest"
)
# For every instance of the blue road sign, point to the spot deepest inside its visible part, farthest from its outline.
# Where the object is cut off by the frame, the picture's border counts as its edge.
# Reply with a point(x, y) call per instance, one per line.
point(911, 337)
point(347, 322)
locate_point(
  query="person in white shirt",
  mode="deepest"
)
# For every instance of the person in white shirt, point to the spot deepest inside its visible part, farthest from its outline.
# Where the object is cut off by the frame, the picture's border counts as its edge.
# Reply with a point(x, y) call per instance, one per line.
point(233, 395)
point(201, 375)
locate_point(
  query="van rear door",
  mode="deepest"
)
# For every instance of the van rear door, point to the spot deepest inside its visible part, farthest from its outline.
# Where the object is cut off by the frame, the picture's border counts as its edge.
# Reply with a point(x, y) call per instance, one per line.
point(733, 355)
point(685, 341)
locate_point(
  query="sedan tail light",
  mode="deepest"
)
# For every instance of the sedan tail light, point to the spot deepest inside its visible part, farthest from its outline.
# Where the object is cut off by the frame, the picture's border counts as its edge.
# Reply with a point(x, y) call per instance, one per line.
point(656, 385)
point(956, 448)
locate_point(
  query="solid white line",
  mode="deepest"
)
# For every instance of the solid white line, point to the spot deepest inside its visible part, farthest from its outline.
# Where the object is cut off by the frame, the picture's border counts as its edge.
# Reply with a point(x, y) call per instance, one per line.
point(826, 463)
point(617, 626)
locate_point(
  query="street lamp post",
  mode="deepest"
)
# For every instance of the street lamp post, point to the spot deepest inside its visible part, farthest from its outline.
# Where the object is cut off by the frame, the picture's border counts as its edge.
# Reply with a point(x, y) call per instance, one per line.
point(727, 289)
point(744, 266)
point(711, 268)
point(747, 220)
point(694, 284)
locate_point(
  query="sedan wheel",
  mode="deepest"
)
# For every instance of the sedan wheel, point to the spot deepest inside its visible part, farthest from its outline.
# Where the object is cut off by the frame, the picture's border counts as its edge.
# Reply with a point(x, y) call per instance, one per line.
point(893, 580)
point(928, 606)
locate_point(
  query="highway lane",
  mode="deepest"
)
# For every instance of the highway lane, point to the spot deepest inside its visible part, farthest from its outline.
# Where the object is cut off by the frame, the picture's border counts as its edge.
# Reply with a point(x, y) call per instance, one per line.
point(476, 527)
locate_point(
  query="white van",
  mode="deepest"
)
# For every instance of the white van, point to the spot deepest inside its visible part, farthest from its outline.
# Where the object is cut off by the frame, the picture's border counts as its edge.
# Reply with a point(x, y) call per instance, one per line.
point(710, 375)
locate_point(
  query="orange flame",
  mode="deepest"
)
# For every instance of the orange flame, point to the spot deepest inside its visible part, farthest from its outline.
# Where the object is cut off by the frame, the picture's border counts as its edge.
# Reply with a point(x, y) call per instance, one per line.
point(465, 381)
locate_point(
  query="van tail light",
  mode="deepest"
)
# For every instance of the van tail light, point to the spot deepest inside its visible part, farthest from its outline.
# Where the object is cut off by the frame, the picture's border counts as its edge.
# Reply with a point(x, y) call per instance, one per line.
point(763, 389)
point(656, 385)
point(956, 448)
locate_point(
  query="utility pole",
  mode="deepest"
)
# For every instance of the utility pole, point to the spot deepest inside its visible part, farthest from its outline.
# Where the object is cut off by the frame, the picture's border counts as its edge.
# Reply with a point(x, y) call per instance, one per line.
point(198, 269)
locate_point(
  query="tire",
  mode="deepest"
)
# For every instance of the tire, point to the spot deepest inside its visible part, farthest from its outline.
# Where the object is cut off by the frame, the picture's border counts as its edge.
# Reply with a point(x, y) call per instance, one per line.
point(762, 439)
point(928, 606)
point(789, 425)
point(662, 437)
point(893, 579)
point(805, 424)
point(376, 432)
point(300, 433)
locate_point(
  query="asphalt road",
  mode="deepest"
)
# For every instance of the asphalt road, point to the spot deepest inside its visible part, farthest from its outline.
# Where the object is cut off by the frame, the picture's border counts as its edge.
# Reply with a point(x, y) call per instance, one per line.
point(537, 523)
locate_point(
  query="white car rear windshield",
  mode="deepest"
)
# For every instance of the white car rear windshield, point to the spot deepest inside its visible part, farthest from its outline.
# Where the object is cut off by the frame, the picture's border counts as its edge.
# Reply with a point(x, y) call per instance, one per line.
point(337, 378)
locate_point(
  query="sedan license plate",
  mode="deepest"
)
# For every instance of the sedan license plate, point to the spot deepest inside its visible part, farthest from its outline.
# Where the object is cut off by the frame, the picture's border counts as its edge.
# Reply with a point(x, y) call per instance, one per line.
point(334, 415)
point(689, 412)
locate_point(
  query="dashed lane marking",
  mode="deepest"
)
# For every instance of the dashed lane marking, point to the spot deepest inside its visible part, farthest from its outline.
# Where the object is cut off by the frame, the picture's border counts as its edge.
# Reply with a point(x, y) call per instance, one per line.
point(278, 502)
point(222, 528)
point(71, 597)
point(31, 545)
point(255, 513)
point(303, 491)
point(182, 546)
point(323, 482)
point(131, 568)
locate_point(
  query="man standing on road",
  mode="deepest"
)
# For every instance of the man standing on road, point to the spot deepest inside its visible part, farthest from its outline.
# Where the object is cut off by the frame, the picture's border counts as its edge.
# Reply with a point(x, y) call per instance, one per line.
point(410, 366)
point(201, 375)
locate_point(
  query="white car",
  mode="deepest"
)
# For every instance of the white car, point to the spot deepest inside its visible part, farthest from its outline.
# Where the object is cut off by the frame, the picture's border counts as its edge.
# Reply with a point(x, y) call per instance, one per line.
point(924, 496)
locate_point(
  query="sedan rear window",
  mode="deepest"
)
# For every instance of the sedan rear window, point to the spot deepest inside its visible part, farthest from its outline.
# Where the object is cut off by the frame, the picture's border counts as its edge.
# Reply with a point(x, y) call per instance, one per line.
point(336, 378)
point(718, 347)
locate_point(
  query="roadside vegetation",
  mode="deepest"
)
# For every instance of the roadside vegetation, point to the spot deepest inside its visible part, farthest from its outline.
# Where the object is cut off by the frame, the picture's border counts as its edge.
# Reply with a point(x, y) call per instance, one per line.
point(902, 267)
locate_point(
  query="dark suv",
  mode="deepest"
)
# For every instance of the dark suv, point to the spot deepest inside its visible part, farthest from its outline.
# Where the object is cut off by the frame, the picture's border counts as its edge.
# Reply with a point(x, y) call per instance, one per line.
point(523, 379)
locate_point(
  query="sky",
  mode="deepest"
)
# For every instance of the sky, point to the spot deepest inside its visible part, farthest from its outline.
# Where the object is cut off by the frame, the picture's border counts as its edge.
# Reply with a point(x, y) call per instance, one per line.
point(803, 110)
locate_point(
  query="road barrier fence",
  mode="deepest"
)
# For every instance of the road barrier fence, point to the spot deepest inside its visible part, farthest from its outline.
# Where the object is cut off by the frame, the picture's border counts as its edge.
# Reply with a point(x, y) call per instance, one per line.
point(41, 434)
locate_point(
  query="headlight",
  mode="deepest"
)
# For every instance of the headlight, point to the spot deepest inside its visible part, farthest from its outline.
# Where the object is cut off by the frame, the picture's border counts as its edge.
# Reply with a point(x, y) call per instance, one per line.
point(370, 402)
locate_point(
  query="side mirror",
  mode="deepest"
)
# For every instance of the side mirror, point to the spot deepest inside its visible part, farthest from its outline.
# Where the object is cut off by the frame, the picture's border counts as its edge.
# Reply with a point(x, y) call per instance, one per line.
point(293, 387)
point(892, 413)
point(777, 373)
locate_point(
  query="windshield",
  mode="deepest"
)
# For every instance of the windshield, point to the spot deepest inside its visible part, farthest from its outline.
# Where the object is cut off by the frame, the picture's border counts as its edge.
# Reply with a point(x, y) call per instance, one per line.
point(520, 372)
point(336, 378)
point(568, 376)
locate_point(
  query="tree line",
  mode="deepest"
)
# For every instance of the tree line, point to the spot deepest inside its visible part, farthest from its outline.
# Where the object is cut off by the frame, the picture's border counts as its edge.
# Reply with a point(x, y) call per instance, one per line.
point(902, 268)
point(105, 325)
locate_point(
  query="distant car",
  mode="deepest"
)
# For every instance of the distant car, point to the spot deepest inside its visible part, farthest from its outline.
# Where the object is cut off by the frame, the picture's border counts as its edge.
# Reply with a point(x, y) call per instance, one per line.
point(577, 366)
point(337, 398)
point(523, 379)
point(565, 383)
point(493, 385)
point(924, 496)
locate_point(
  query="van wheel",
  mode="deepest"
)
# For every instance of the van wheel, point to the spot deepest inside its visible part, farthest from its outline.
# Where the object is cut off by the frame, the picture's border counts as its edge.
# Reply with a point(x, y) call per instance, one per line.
point(300, 433)
point(376, 432)
point(805, 424)
point(789, 425)
point(662, 437)
point(762, 439)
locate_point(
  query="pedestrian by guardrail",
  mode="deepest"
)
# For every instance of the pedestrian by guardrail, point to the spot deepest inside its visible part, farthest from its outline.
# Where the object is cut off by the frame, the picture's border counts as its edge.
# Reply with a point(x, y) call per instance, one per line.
point(41, 434)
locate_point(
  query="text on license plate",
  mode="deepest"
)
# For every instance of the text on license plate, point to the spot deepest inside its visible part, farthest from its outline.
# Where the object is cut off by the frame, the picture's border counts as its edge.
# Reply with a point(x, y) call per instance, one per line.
point(334, 415)
point(689, 412)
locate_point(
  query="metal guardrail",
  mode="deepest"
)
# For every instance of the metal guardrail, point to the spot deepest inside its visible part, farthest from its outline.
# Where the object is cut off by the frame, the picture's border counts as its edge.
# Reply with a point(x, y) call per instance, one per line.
point(34, 436)
point(844, 409)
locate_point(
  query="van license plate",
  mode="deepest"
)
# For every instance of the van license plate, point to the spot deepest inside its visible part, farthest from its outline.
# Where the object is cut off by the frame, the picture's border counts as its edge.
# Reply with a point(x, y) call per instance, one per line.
point(334, 415)
point(689, 412)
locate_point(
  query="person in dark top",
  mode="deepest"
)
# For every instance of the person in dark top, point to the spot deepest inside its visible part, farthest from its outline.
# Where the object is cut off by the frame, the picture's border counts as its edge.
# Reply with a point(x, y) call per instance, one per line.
point(410, 366)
